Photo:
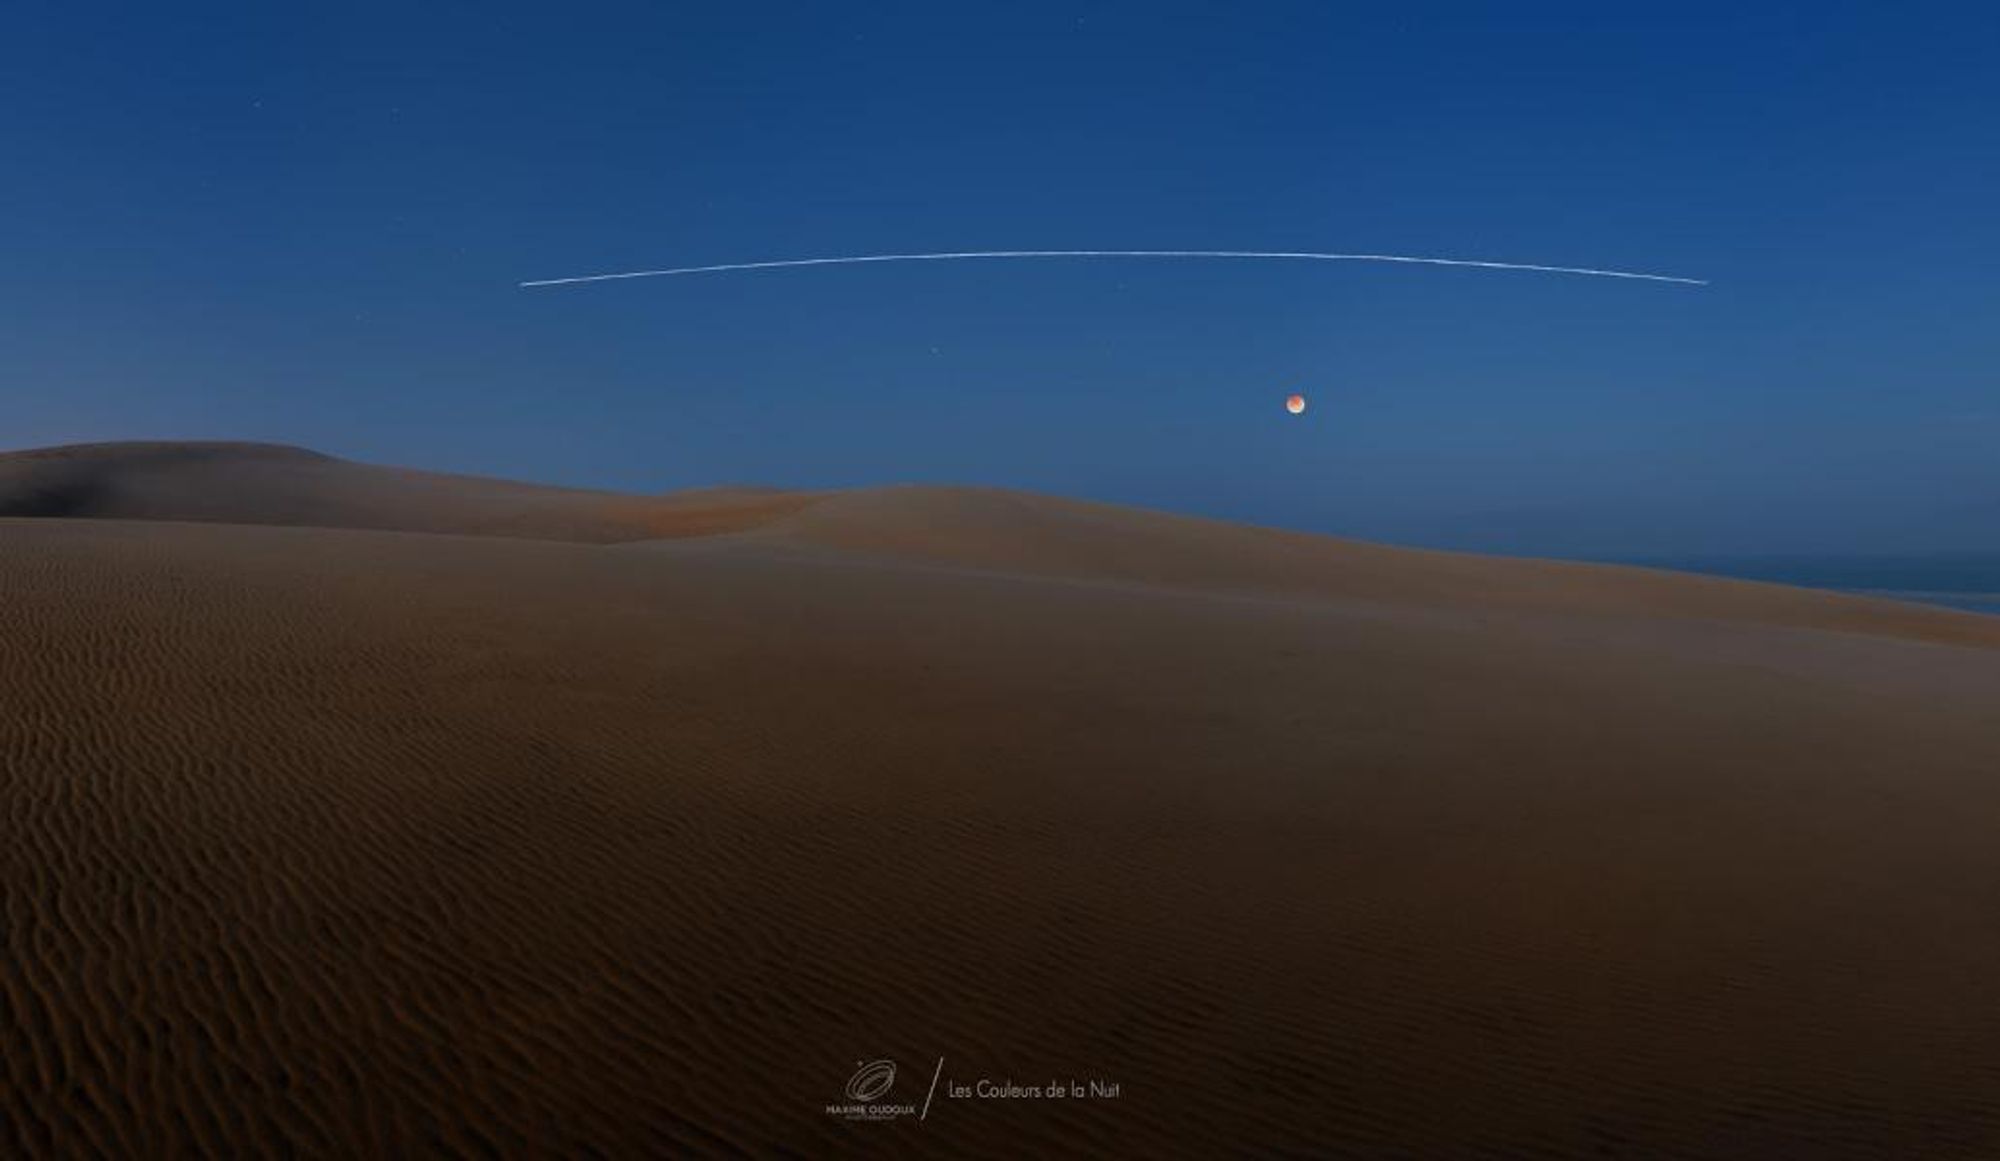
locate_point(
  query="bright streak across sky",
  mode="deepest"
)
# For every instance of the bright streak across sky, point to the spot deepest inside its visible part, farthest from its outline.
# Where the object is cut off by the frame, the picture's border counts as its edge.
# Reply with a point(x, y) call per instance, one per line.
point(1267, 255)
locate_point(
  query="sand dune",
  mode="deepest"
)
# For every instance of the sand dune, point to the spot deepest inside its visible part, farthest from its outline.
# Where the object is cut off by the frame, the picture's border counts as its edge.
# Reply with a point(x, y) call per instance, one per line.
point(235, 483)
point(598, 825)
point(1046, 536)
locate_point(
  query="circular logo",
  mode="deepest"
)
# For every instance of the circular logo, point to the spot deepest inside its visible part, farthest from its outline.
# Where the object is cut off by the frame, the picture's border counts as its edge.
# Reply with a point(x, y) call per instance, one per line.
point(871, 1080)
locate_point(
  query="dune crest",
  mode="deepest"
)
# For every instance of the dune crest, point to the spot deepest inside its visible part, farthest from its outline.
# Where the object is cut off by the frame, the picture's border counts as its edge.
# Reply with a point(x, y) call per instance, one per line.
point(236, 483)
point(963, 527)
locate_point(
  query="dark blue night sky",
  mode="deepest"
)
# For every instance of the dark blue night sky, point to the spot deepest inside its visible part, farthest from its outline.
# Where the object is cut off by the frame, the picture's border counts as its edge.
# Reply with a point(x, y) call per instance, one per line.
point(305, 224)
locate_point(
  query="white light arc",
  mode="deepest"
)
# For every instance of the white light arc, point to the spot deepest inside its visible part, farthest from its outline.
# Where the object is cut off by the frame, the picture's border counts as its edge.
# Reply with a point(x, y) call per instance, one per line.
point(970, 255)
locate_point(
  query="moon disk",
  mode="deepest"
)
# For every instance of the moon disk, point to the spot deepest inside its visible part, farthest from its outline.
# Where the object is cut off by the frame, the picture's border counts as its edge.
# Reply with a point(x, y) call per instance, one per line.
point(1295, 404)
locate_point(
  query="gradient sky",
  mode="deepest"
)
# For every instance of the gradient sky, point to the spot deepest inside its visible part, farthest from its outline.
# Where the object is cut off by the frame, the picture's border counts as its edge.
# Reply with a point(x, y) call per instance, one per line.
point(305, 224)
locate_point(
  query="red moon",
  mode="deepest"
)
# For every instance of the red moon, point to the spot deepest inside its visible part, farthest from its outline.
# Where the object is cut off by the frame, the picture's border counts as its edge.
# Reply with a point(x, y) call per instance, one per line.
point(1295, 404)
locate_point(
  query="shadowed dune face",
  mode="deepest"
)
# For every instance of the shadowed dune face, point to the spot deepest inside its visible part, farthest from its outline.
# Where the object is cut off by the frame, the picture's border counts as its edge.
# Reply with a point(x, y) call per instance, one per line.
point(351, 843)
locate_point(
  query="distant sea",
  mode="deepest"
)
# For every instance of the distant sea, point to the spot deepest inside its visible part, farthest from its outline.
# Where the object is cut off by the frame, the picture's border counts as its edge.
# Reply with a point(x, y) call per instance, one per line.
point(1969, 581)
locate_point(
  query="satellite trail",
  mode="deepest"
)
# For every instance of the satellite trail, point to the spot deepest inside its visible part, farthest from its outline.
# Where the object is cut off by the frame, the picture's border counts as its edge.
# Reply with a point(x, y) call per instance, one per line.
point(971, 255)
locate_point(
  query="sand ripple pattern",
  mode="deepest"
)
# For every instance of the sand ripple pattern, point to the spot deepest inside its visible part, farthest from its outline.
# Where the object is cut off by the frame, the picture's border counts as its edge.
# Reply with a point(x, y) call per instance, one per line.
point(367, 844)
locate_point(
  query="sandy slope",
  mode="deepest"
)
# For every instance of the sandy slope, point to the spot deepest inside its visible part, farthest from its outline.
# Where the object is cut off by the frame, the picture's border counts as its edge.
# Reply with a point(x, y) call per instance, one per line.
point(372, 843)
point(236, 483)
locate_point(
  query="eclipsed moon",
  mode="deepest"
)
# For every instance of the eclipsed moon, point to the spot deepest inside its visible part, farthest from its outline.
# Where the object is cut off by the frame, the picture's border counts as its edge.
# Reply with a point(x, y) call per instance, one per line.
point(1295, 404)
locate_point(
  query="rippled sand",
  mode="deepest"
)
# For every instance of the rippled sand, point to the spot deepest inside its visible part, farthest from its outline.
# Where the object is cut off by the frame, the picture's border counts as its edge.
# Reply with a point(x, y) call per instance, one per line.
point(528, 822)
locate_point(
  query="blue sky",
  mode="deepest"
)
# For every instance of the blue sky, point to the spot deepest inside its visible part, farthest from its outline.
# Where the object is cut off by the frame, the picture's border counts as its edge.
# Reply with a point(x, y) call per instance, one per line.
point(306, 226)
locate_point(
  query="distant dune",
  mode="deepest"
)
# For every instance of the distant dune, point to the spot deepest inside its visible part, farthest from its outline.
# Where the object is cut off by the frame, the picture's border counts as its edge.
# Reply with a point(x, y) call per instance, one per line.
point(356, 811)
point(236, 483)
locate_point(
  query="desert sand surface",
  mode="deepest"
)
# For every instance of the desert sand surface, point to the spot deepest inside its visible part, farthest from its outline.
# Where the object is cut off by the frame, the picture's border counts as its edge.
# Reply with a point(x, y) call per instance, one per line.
point(356, 812)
